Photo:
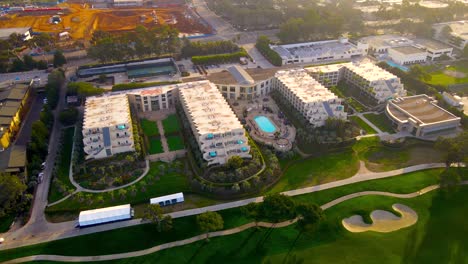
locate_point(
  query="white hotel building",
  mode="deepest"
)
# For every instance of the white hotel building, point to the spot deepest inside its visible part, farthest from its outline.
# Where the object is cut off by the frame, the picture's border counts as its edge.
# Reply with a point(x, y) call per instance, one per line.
point(107, 126)
point(315, 102)
point(219, 133)
point(369, 78)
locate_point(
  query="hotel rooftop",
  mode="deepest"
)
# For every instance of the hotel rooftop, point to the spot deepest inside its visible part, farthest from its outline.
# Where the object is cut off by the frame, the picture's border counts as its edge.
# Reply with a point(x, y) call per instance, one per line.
point(370, 72)
point(106, 111)
point(208, 110)
point(302, 85)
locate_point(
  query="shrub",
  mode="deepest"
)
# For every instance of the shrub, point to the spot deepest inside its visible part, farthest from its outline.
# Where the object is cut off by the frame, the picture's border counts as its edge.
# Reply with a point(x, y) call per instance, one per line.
point(130, 86)
point(220, 58)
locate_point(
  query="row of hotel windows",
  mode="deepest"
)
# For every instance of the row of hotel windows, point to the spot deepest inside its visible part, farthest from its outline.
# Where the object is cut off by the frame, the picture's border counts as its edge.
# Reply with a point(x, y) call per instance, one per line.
point(97, 130)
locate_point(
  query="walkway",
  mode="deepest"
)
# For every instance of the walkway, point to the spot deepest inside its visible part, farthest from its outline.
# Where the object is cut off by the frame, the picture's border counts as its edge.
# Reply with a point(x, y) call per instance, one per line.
point(45, 232)
point(214, 234)
point(162, 136)
point(360, 115)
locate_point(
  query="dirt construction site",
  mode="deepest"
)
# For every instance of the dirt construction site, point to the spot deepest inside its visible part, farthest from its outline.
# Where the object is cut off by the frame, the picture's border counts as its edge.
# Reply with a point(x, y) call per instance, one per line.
point(80, 21)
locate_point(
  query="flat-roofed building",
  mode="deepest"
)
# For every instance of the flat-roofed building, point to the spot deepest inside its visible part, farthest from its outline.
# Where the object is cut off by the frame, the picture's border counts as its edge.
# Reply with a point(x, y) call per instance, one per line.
point(320, 51)
point(24, 32)
point(454, 33)
point(406, 55)
point(13, 160)
point(369, 78)
point(382, 43)
point(153, 98)
point(420, 115)
point(435, 49)
point(126, 3)
point(218, 131)
point(14, 104)
point(315, 102)
point(237, 83)
point(107, 126)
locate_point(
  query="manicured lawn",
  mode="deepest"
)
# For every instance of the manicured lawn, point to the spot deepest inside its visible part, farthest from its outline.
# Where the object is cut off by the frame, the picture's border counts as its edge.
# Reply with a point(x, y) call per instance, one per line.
point(150, 128)
point(64, 166)
point(364, 126)
point(381, 121)
point(171, 124)
point(5, 222)
point(175, 142)
point(356, 105)
point(439, 236)
point(441, 78)
point(317, 170)
point(155, 145)
point(160, 180)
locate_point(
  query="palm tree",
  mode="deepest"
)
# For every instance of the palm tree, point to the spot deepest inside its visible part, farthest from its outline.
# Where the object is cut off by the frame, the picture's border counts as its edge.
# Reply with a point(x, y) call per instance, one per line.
point(143, 186)
point(133, 190)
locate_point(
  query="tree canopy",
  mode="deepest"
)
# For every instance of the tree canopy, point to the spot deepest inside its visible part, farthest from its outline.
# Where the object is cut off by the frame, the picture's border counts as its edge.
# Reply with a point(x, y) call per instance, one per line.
point(12, 189)
point(210, 221)
point(278, 207)
point(154, 214)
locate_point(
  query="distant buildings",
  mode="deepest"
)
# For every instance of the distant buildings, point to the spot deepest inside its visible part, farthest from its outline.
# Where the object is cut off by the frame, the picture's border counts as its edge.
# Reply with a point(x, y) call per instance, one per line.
point(14, 104)
point(420, 116)
point(216, 128)
point(315, 102)
point(320, 51)
point(127, 3)
point(369, 78)
point(237, 83)
point(407, 55)
point(454, 33)
point(453, 100)
point(25, 32)
point(107, 126)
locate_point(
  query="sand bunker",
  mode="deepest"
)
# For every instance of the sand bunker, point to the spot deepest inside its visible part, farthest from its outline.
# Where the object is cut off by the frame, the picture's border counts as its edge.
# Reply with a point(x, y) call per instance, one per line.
point(455, 74)
point(382, 221)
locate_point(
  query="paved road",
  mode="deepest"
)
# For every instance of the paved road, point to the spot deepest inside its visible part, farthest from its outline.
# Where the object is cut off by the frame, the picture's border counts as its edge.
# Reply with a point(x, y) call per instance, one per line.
point(34, 113)
point(214, 234)
point(43, 231)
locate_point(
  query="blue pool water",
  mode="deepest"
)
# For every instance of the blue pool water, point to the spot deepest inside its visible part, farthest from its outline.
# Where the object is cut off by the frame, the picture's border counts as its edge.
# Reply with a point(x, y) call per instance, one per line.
point(265, 124)
point(403, 68)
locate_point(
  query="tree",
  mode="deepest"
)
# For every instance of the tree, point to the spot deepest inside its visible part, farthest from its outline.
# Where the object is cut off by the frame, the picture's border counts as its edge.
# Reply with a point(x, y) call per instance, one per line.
point(277, 207)
point(154, 214)
point(11, 190)
point(310, 215)
point(59, 59)
point(209, 222)
point(235, 162)
point(450, 180)
point(252, 210)
point(418, 72)
point(455, 149)
point(68, 116)
point(83, 89)
point(465, 52)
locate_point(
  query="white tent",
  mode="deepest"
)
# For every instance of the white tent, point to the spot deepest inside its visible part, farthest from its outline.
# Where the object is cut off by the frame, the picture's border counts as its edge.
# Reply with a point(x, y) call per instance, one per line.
point(168, 199)
point(105, 215)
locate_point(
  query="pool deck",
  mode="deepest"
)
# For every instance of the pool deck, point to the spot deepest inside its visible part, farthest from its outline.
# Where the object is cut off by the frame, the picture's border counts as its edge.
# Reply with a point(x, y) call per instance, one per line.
point(255, 106)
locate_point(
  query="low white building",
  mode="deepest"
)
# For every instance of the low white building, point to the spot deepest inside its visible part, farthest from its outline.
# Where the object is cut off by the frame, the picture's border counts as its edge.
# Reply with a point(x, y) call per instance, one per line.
point(105, 215)
point(107, 126)
point(382, 43)
point(218, 131)
point(453, 100)
point(320, 51)
point(368, 77)
point(435, 49)
point(421, 116)
point(315, 102)
point(454, 33)
point(168, 199)
point(237, 83)
point(126, 3)
point(407, 55)
point(25, 32)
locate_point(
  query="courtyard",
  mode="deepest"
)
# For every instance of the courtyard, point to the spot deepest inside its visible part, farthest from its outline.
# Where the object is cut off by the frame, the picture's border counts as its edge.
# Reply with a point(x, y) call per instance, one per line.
point(265, 122)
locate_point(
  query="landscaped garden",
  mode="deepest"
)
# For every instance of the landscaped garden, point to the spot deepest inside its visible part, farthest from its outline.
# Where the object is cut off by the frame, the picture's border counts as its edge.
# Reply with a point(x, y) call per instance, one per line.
point(150, 128)
point(61, 185)
point(155, 145)
point(162, 179)
point(363, 125)
point(440, 232)
point(175, 142)
point(171, 125)
point(447, 75)
point(381, 121)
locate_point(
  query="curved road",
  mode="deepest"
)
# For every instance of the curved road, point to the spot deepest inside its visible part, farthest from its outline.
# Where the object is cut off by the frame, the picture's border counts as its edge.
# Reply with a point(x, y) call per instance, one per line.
point(214, 234)
point(42, 231)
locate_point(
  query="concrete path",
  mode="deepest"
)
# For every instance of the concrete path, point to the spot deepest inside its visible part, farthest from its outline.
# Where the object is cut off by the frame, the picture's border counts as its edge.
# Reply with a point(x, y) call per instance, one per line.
point(162, 136)
point(46, 232)
point(369, 123)
point(214, 234)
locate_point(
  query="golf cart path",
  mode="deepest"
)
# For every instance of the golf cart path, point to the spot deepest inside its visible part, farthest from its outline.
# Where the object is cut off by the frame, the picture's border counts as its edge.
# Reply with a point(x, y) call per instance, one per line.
point(214, 234)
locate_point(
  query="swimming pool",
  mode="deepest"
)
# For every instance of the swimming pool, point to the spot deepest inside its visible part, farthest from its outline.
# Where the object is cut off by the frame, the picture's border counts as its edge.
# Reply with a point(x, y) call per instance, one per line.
point(265, 124)
point(403, 68)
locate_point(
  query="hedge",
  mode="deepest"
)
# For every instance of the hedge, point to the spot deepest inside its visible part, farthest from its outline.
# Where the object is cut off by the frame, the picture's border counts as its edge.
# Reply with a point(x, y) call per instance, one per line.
point(220, 58)
point(130, 86)
point(263, 45)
